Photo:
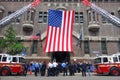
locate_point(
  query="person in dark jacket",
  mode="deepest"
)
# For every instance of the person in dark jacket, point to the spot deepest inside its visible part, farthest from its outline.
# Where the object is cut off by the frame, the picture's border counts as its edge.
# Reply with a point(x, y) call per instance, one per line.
point(43, 69)
point(84, 68)
point(71, 69)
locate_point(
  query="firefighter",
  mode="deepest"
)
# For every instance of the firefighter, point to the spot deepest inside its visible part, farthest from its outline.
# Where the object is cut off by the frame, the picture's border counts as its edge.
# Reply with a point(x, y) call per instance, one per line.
point(43, 69)
point(84, 68)
point(36, 65)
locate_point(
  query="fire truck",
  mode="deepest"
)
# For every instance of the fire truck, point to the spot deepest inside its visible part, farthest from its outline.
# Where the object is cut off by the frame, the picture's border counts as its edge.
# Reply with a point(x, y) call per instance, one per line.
point(108, 64)
point(10, 64)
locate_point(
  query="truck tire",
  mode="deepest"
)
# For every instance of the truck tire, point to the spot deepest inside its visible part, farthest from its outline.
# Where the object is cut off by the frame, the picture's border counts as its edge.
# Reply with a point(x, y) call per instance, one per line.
point(5, 71)
point(114, 71)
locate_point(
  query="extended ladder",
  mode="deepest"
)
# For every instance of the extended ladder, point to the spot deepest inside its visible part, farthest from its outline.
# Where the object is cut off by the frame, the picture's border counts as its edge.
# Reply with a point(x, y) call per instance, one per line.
point(113, 19)
point(6, 20)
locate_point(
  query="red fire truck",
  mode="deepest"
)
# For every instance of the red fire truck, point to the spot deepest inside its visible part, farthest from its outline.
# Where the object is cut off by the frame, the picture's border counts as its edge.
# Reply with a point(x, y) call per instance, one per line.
point(11, 65)
point(109, 65)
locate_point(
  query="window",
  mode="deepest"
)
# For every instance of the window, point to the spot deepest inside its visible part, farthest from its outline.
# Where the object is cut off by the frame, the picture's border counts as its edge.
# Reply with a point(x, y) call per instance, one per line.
point(40, 17)
point(105, 0)
point(22, 60)
point(86, 47)
point(28, 15)
point(27, 0)
point(103, 20)
point(57, 0)
point(69, 0)
point(76, 17)
point(93, 16)
point(89, 16)
point(119, 57)
point(99, 0)
point(80, 0)
point(17, 19)
point(0, 58)
point(35, 46)
point(105, 59)
point(45, 0)
point(119, 45)
point(118, 0)
point(32, 15)
point(119, 13)
point(45, 17)
point(14, 59)
point(21, 0)
point(97, 60)
point(75, 0)
point(103, 46)
point(112, 0)
point(4, 58)
point(1, 14)
point(93, 0)
point(115, 59)
point(51, 0)
point(81, 17)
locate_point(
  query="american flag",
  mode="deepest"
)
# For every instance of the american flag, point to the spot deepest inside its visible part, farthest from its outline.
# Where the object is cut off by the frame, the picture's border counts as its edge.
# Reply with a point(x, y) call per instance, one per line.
point(80, 40)
point(35, 37)
point(59, 32)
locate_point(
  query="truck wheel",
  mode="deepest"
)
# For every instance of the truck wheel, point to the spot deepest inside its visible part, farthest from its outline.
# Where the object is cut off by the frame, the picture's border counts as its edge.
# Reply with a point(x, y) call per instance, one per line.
point(5, 71)
point(115, 71)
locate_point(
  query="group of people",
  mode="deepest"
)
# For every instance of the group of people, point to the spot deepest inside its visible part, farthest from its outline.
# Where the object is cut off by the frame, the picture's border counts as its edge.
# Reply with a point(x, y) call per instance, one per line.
point(66, 68)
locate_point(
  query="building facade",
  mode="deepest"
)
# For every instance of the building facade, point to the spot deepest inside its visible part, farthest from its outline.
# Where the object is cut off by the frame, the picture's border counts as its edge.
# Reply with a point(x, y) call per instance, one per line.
point(99, 36)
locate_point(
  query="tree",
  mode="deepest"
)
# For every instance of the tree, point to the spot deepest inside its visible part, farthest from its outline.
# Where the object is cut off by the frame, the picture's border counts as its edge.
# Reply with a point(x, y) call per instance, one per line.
point(10, 43)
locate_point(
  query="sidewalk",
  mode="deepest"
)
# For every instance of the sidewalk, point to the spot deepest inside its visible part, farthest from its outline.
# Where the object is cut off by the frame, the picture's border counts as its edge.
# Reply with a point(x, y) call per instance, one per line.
point(61, 74)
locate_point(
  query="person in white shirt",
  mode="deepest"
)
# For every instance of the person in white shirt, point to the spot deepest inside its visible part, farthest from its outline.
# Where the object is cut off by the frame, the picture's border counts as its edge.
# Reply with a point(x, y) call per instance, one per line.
point(50, 66)
point(55, 65)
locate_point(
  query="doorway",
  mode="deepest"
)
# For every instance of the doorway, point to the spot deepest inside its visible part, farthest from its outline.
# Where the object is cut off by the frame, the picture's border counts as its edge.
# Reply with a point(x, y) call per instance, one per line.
point(61, 56)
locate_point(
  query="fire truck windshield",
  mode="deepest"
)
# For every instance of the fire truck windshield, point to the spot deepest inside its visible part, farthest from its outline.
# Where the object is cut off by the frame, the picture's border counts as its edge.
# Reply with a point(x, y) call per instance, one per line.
point(97, 60)
point(21, 60)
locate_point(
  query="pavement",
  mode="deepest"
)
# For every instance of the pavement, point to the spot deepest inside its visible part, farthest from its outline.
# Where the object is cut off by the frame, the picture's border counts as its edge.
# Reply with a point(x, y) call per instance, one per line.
point(77, 76)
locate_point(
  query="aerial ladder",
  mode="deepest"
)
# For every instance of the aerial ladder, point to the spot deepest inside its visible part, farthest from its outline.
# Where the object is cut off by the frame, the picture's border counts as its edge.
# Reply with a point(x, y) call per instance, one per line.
point(6, 20)
point(113, 19)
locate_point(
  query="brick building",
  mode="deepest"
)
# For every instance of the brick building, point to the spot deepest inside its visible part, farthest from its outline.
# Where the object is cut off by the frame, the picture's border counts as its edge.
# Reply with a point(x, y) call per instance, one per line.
point(98, 34)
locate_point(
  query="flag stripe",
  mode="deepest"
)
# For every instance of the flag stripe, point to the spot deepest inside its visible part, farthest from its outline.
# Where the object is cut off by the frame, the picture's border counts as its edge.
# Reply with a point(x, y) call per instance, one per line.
point(60, 38)
point(62, 32)
point(55, 31)
point(66, 28)
point(58, 49)
point(65, 35)
point(70, 29)
point(56, 41)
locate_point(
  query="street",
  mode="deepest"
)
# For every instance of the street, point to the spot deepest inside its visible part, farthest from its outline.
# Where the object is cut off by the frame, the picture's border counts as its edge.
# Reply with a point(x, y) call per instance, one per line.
point(60, 77)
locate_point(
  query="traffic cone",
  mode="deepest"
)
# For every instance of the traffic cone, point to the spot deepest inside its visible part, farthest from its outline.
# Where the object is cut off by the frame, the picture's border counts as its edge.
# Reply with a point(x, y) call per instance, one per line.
point(30, 72)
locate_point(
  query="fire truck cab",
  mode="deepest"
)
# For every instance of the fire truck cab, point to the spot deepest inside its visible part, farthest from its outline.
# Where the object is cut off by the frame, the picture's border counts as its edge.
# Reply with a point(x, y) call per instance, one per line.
point(109, 64)
point(11, 64)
